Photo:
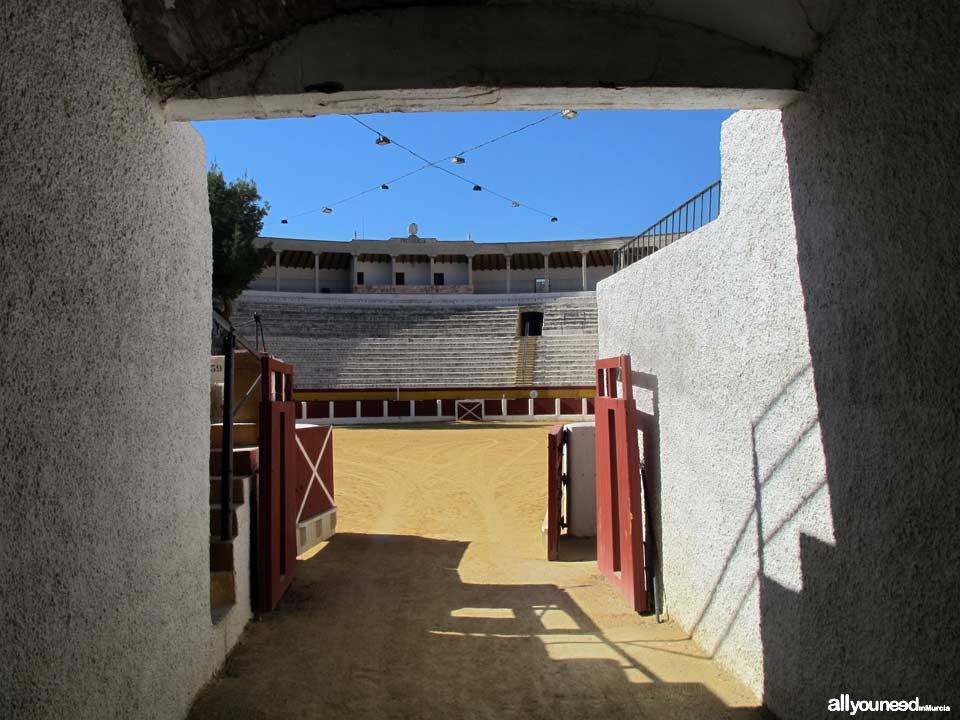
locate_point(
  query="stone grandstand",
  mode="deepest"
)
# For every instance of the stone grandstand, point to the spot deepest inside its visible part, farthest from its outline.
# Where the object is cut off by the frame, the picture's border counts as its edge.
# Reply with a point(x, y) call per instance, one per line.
point(360, 356)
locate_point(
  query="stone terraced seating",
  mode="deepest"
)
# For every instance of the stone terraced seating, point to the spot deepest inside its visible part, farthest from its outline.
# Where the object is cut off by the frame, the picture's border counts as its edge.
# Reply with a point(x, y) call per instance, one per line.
point(403, 343)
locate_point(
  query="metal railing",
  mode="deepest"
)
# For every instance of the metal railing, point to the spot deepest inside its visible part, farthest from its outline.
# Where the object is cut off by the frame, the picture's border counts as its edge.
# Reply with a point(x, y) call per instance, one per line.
point(230, 339)
point(702, 208)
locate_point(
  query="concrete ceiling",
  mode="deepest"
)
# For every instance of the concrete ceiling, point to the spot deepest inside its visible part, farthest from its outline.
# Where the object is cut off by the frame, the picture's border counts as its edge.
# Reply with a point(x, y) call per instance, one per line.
point(264, 58)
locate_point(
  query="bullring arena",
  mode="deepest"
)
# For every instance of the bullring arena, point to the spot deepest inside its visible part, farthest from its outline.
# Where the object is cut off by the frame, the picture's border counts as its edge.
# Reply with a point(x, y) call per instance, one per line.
point(445, 570)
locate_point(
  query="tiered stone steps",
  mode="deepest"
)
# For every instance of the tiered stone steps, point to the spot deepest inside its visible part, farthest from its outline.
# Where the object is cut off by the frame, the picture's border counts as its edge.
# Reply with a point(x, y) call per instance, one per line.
point(341, 342)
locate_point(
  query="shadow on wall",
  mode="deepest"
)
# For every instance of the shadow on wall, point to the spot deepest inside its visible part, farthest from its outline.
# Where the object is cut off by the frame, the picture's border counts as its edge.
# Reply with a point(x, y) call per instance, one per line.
point(872, 158)
point(381, 626)
point(790, 512)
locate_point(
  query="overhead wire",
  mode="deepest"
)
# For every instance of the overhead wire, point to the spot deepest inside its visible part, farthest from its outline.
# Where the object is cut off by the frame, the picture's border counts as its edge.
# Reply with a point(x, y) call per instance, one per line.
point(436, 164)
point(447, 170)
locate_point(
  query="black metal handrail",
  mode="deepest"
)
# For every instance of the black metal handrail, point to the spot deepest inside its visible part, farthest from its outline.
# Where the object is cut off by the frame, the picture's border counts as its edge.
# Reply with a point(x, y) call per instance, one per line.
point(702, 208)
point(231, 338)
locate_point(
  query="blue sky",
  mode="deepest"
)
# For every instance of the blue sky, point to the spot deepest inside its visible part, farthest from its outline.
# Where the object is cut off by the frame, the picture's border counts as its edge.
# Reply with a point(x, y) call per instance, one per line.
point(604, 173)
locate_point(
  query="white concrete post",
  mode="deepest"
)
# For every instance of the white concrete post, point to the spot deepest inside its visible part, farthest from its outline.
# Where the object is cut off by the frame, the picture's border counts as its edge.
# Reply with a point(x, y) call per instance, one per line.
point(276, 271)
point(353, 270)
point(430, 278)
point(358, 408)
point(470, 270)
point(546, 272)
point(583, 270)
point(508, 273)
point(386, 408)
point(316, 272)
point(393, 270)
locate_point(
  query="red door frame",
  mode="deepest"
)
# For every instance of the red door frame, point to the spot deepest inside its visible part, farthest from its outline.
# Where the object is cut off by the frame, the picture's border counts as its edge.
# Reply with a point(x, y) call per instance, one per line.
point(276, 498)
point(619, 501)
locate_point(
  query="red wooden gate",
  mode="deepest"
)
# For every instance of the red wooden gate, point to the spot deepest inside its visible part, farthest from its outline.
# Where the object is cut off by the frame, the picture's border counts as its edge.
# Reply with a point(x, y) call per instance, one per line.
point(277, 501)
point(620, 539)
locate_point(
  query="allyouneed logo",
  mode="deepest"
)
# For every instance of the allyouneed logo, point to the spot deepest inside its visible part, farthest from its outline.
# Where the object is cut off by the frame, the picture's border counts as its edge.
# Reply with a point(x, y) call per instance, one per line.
point(845, 704)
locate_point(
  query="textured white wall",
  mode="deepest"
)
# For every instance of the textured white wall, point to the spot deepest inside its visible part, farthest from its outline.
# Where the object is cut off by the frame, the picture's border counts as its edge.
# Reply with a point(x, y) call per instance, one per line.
point(104, 515)
point(715, 324)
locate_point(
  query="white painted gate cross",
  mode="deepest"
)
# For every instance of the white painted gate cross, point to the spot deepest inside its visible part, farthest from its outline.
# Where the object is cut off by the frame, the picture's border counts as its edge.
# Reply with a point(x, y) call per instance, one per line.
point(314, 472)
point(472, 409)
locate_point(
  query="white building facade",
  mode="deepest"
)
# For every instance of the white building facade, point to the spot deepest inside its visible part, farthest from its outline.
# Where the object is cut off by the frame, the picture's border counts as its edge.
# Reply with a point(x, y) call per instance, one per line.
point(426, 265)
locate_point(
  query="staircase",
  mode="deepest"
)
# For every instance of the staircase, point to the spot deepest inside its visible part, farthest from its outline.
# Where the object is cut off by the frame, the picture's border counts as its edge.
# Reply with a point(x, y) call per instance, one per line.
point(225, 556)
point(526, 360)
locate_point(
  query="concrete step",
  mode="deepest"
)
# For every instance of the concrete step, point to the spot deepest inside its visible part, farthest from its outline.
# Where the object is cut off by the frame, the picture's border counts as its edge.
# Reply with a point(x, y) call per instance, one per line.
point(221, 555)
point(223, 589)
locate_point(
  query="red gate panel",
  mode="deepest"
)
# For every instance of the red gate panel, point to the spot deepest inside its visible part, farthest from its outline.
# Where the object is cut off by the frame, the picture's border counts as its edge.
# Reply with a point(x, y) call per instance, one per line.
point(619, 502)
point(314, 484)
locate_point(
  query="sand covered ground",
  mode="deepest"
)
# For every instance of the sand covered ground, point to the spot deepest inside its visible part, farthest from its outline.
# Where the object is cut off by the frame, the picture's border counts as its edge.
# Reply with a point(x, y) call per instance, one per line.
point(434, 601)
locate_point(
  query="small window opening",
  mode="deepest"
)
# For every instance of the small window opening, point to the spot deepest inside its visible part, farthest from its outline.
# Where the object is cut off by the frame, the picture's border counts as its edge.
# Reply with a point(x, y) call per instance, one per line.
point(360, 277)
point(540, 285)
point(531, 323)
point(438, 278)
point(399, 279)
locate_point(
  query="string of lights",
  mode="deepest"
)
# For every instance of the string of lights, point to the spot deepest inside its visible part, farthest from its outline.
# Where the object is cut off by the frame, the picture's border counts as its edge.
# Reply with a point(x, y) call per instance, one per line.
point(456, 159)
point(476, 186)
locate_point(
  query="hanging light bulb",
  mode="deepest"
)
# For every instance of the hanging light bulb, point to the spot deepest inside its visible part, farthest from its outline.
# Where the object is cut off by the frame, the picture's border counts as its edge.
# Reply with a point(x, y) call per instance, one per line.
point(383, 140)
point(384, 187)
point(514, 203)
point(553, 219)
point(457, 160)
point(327, 210)
point(283, 222)
point(477, 188)
point(568, 114)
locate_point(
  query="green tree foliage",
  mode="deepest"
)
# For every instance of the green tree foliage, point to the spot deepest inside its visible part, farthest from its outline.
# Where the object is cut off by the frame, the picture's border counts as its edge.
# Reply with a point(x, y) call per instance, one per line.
point(236, 213)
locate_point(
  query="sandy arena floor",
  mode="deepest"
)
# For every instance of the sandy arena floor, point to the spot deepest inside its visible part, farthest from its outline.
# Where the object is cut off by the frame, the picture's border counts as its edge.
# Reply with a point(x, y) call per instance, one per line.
point(434, 601)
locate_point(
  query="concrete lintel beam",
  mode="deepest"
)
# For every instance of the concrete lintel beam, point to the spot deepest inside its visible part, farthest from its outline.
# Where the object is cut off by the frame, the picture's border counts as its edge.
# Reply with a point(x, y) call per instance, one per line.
point(490, 57)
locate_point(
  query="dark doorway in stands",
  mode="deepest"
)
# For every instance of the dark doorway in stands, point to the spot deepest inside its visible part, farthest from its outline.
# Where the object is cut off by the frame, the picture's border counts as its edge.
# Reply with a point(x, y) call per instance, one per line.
point(531, 323)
